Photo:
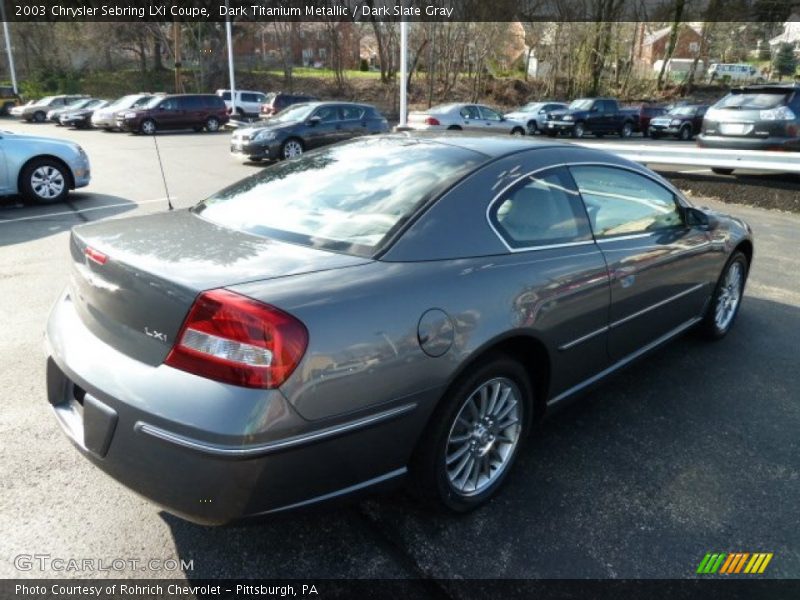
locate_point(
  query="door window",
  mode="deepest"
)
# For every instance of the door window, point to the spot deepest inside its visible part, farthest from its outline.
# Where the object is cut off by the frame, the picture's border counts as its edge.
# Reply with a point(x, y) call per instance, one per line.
point(470, 112)
point(170, 104)
point(621, 202)
point(543, 209)
point(327, 114)
point(489, 114)
point(352, 113)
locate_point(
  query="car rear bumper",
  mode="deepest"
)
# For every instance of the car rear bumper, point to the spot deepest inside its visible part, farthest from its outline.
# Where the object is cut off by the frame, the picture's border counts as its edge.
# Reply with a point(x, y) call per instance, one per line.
point(748, 143)
point(211, 452)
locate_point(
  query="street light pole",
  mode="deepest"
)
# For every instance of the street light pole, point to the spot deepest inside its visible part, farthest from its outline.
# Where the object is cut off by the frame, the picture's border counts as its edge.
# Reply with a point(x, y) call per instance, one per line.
point(7, 36)
point(403, 73)
point(229, 37)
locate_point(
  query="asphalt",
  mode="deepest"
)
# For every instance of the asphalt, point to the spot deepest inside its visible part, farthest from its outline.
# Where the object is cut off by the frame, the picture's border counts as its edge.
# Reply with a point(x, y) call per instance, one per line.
point(693, 450)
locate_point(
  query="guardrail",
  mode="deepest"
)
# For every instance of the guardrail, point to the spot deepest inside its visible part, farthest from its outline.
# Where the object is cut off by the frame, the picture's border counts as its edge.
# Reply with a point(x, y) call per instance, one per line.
point(694, 156)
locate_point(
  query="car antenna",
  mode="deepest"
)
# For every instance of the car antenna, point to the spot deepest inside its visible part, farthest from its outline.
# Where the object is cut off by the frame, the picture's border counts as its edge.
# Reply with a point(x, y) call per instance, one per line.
point(163, 177)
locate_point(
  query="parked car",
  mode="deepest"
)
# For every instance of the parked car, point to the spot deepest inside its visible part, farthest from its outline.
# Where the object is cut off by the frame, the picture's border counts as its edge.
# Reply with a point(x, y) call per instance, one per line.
point(16, 111)
point(758, 117)
point(302, 127)
point(106, 118)
point(735, 72)
point(8, 99)
point(386, 307)
point(177, 111)
point(534, 115)
point(598, 116)
point(37, 111)
point(41, 169)
point(467, 117)
point(682, 122)
point(82, 118)
point(642, 115)
point(54, 114)
point(278, 101)
point(248, 103)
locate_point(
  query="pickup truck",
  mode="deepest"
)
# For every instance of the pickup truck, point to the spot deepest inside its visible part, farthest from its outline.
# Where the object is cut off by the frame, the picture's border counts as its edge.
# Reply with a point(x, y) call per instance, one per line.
point(598, 116)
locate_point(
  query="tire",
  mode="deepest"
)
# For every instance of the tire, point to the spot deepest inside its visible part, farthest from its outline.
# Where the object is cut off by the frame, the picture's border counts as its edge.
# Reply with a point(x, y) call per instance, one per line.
point(454, 128)
point(726, 299)
point(578, 130)
point(457, 427)
point(551, 134)
point(6, 110)
point(685, 134)
point(212, 125)
point(626, 130)
point(518, 131)
point(148, 127)
point(646, 132)
point(721, 171)
point(654, 135)
point(39, 117)
point(599, 135)
point(291, 148)
point(533, 128)
point(197, 128)
point(44, 181)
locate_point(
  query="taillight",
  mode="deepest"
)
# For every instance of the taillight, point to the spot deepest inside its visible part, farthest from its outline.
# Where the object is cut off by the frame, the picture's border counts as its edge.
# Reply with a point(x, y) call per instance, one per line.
point(432, 121)
point(238, 340)
point(95, 256)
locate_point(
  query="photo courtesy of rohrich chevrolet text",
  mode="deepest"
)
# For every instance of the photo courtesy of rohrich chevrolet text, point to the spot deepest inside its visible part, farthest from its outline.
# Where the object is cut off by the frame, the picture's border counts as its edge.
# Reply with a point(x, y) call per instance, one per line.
point(407, 298)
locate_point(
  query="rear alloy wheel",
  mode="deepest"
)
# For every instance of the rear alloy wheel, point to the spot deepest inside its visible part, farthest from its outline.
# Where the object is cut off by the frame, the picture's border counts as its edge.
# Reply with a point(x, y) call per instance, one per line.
point(44, 181)
point(212, 125)
point(727, 298)
point(291, 148)
point(626, 130)
point(148, 127)
point(720, 171)
point(685, 133)
point(517, 131)
point(39, 117)
point(474, 436)
point(578, 130)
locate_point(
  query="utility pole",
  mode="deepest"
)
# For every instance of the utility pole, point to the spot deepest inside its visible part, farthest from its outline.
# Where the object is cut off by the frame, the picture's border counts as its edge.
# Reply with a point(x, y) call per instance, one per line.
point(403, 73)
point(176, 36)
point(7, 36)
point(229, 37)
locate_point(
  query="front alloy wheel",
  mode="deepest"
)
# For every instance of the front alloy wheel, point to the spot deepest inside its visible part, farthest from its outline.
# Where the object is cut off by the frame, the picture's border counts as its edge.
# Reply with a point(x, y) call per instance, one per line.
point(727, 298)
point(578, 130)
point(291, 148)
point(148, 127)
point(626, 131)
point(474, 435)
point(44, 182)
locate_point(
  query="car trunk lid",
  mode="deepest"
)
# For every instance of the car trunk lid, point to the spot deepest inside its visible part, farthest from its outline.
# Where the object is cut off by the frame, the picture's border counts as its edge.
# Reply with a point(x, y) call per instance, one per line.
point(134, 280)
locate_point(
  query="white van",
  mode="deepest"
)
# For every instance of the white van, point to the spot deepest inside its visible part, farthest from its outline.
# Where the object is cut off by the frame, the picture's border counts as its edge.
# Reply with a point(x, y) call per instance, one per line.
point(735, 72)
point(247, 101)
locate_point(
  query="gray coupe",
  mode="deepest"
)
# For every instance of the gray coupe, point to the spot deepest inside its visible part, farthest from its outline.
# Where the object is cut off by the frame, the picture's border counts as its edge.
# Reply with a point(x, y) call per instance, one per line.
point(391, 307)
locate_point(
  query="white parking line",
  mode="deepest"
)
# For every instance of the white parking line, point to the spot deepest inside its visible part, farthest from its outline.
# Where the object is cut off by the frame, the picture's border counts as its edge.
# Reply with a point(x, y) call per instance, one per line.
point(83, 210)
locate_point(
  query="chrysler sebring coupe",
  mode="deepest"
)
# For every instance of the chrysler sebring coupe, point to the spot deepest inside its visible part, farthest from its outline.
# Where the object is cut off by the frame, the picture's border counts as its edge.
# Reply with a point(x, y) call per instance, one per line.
point(393, 307)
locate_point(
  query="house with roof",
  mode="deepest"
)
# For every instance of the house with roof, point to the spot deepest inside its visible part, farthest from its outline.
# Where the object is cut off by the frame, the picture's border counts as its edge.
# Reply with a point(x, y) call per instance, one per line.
point(790, 35)
point(652, 46)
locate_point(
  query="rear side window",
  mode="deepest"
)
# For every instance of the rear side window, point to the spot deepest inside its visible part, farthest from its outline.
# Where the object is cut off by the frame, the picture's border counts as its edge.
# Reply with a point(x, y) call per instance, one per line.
point(190, 103)
point(352, 113)
point(543, 209)
point(226, 95)
point(621, 202)
point(212, 102)
point(251, 98)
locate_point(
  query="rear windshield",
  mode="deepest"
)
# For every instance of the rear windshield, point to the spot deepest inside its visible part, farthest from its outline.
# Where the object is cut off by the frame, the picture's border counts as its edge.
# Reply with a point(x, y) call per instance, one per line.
point(753, 101)
point(683, 111)
point(347, 198)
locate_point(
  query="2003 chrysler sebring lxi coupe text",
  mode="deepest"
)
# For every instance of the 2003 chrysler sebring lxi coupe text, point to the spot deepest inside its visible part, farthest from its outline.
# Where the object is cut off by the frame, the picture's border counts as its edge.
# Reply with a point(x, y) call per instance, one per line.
point(387, 306)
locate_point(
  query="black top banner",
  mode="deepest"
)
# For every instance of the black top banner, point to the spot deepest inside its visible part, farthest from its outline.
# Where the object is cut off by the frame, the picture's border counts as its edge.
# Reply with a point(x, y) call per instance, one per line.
point(396, 10)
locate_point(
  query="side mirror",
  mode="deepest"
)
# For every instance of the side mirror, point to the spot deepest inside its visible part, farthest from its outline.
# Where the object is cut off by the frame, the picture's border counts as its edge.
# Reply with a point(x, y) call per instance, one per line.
point(314, 121)
point(696, 217)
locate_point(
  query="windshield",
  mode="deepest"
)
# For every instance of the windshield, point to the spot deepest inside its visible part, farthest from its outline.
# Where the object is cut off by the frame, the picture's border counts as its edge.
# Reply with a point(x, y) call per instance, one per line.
point(753, 101)
point(442, 108)
point(79, 103)
point(152, 102)
point(683, 111)
point(45, 100)
point(531, 107)
point(297, 112)
point(581, 104)
point(349, 198)
point(123, 102)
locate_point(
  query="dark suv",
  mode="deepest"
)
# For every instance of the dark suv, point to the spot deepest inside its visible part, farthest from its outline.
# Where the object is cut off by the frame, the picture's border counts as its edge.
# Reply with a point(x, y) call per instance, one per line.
point(757, 117)
point(177, 111)
point(682, 122)
point(276, 102)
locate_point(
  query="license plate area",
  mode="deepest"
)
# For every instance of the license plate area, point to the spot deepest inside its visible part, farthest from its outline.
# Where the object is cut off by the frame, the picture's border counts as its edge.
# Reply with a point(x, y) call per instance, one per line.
point(735, 128)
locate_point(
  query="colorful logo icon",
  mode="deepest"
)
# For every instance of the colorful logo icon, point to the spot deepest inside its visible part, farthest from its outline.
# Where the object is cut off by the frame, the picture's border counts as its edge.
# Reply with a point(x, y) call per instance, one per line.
point(734, 563)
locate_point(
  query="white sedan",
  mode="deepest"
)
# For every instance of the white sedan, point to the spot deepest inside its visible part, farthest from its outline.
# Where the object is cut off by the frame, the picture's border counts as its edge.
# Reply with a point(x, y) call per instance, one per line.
point(464, 117)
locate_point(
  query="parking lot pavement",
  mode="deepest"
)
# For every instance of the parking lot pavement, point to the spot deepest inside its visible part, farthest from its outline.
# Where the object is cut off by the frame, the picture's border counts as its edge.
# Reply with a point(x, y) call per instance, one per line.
point(693, 450)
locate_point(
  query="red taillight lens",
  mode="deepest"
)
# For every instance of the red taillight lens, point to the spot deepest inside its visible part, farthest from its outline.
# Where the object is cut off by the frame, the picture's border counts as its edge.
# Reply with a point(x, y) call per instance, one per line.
point(238, 340)
point(432, 121)
point(95, 256)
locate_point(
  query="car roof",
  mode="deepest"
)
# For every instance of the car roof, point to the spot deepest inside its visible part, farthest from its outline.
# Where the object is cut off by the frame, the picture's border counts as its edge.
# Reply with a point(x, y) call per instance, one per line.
point(775, 88)
point(492, 146)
